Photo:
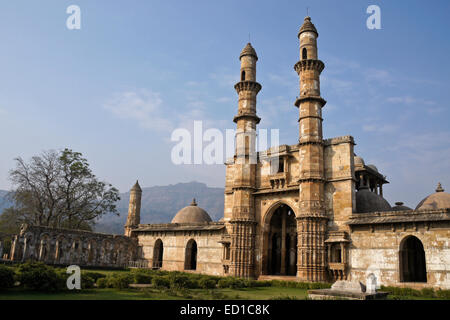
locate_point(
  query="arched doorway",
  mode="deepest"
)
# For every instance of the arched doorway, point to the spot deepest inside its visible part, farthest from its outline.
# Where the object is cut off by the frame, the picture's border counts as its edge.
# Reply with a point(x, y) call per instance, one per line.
point(158, 251)
point(282, 242)
point(412, 261)
point(190, 260)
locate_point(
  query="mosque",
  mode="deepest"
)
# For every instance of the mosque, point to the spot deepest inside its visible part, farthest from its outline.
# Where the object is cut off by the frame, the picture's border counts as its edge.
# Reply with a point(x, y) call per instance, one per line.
point(311, 211)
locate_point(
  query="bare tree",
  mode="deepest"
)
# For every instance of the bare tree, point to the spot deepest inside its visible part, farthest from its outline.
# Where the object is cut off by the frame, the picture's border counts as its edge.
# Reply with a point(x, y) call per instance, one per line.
point(58, 189)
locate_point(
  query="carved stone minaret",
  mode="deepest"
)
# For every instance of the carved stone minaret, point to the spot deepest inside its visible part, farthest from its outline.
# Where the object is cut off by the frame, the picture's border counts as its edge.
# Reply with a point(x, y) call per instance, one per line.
point(312, 219)
point(134, 209)
point(243, 222)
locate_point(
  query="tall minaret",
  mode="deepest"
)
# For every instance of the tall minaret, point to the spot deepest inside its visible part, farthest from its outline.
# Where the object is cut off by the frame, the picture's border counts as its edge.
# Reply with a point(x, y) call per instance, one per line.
point(243, 222)
point(312, 219)
point(134, 209)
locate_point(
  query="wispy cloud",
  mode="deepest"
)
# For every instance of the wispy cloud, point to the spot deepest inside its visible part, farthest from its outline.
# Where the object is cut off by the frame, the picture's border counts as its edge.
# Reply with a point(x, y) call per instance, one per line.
point(408, 100)
point(143, 106)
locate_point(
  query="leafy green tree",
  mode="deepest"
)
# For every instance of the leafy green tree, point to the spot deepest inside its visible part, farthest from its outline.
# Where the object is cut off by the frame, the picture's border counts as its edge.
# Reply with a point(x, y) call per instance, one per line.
point(58, 189)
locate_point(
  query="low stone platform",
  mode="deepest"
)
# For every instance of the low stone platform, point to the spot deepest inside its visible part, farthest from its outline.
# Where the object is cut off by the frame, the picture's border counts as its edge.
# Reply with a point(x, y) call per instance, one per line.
point(347, 290)
point(330, 294)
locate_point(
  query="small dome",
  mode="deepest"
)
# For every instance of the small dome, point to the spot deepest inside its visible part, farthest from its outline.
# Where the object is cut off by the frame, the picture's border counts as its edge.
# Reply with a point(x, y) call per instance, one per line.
point(192, 214)
point(400, 207)
point(359, 161)
point(371, 166)
point(248, 51)
point(435, 201)
point(367, 201)
point(308, 26)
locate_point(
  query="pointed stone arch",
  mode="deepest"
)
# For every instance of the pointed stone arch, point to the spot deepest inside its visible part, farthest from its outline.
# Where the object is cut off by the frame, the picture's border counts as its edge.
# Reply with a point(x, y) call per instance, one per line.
point(412, 261)
point(280, 240)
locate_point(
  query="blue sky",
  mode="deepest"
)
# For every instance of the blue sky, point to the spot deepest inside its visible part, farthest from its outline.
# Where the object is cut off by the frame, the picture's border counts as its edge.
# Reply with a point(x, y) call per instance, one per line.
point(136, 70)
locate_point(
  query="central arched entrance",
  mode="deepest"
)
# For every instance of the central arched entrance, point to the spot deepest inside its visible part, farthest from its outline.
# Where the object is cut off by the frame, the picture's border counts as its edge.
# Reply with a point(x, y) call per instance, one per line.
point(282, 242)
point(412, 261)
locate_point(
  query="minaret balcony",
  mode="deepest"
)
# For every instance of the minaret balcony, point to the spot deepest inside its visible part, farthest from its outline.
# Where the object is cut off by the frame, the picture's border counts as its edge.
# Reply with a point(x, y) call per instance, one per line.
point(309, 64)
point(247, 85)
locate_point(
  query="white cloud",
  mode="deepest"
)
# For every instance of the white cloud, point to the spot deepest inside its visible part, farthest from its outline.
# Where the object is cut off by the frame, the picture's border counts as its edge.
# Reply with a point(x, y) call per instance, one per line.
point(408, 100)
point(143, 106)
point(380, 128)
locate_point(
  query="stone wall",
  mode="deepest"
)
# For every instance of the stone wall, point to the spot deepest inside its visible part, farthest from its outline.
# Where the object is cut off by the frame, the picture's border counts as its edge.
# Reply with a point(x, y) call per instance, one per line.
point(375, 249)
point(340, 181)
point(210, 251)
point(66, 247)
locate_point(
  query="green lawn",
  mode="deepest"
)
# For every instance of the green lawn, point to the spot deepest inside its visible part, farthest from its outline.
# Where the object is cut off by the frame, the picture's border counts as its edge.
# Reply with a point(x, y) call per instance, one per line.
point(263, 293)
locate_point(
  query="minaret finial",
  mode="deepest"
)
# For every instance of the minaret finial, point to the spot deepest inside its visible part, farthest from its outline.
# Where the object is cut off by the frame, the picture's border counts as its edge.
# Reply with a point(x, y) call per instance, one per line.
point(193, 203)
point(439, 188)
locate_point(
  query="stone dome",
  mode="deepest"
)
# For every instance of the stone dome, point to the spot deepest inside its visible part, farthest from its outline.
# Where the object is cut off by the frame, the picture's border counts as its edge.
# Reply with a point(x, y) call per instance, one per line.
point(371, 166)
point(358, 161)
point(192, 214)
point(367, 201)
point(400, 207)
point(308, 26)
point(248, 51)
point(435, 201)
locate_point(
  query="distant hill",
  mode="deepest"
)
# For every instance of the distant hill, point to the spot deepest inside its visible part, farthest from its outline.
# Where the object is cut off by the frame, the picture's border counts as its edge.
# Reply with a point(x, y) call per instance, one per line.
point(4, 201)
point(161, 203)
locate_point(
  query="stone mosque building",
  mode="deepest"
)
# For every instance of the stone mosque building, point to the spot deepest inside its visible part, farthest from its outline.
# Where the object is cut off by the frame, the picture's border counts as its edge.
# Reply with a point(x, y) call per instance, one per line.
point(311, 211)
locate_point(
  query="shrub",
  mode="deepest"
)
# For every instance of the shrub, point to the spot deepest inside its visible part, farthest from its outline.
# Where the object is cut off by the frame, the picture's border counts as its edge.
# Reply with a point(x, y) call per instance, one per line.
point(142, 278)
point(38, 276)
point(206, 283)
point(232, 283)
point(94, 275)
point(443, 294)
point(102, 283)
point(161, 282)
point(87, 282)
point(119, 281)
point(427, 292)
point(6, 277)
point(179, 281)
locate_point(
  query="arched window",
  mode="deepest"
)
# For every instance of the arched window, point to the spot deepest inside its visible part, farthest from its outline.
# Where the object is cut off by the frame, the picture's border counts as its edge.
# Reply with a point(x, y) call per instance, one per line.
point(158, 252)
point(190, 260)
point(304, 54)
point(412, 261)
point(243, 76)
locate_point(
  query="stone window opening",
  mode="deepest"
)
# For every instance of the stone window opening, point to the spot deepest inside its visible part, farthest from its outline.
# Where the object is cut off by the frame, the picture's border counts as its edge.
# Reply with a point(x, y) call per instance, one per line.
point(280, 166)
point(226, 251)
point(158, 253)
point(243, 76)
point(190, 261)
point(304, 54)
point(336, 253)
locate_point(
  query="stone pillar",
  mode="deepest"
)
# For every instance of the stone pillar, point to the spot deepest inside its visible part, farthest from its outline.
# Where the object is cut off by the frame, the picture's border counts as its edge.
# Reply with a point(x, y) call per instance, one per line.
point(283, 242)
point(312, 219)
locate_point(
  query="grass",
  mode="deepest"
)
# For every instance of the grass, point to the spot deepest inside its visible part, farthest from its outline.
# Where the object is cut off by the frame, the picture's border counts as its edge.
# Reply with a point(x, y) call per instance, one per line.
point(263, 293)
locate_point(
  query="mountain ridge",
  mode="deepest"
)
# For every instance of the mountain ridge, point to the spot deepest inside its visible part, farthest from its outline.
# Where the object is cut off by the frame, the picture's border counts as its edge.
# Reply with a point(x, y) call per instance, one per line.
point(159, 204)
